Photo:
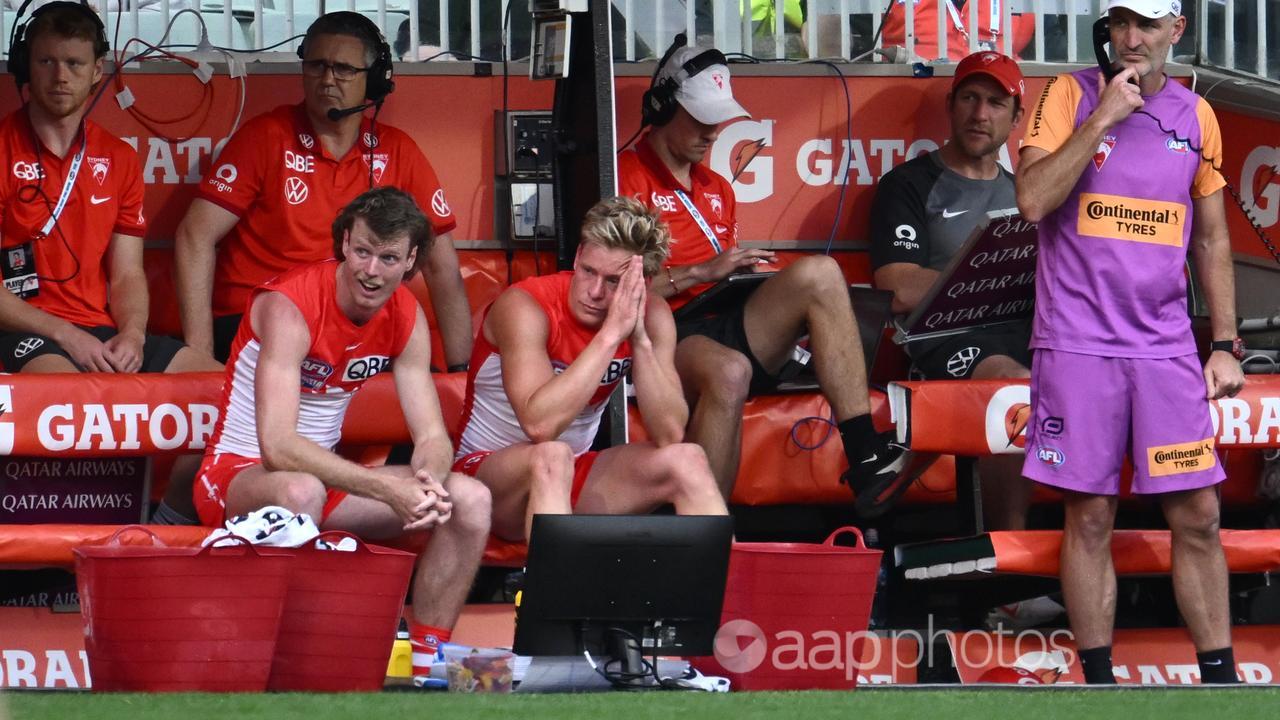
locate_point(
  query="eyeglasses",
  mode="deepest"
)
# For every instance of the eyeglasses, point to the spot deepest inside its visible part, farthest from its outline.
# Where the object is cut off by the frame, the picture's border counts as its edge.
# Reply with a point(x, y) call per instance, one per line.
point(341, 71)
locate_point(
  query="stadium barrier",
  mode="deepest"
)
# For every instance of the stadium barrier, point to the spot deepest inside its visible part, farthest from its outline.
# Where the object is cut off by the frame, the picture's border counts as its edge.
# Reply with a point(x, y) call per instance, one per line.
point(987, 417)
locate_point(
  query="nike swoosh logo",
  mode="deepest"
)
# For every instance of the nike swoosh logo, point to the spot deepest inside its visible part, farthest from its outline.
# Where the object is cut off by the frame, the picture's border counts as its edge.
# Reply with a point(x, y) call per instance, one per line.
point(871, 459)
point(1215, 662)
point(353, 347)
point(948, 214)
point(97, 200)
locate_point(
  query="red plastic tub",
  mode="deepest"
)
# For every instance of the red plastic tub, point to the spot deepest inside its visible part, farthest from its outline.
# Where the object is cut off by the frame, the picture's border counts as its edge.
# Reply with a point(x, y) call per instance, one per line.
point(340, 617)
point(795, 614)
point(179, 619)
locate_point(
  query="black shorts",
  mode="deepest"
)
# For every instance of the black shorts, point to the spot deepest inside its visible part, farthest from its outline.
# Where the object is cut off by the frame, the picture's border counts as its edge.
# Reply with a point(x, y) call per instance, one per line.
point(224, 333)
point(954, 358)
point(17, 349)
point(729, 330)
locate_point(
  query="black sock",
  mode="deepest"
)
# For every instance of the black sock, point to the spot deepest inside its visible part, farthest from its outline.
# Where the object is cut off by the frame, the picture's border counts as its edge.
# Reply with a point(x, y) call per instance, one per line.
point(1097, 666)
point(859, 437)
point(1217, 667)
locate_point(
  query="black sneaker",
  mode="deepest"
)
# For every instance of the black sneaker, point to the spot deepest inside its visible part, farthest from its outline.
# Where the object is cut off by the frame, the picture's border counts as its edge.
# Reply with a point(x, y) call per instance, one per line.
point(880, 478)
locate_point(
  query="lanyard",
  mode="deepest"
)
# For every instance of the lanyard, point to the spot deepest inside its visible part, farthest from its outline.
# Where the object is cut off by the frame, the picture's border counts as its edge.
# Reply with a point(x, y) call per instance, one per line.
point(702, 223)
point(994, 20)
point(66, 187)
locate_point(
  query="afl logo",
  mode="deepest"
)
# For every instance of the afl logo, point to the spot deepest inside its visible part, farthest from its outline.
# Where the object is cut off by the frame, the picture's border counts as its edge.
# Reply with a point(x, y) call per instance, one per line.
point(307, 141)
point(1052, 457)
point(1177, 147)
point(370, 140)
point(438, 204)
point(295, 190)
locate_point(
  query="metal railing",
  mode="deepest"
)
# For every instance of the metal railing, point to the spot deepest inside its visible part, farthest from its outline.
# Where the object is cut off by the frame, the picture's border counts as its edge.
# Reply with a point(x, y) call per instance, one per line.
point(1239, 35)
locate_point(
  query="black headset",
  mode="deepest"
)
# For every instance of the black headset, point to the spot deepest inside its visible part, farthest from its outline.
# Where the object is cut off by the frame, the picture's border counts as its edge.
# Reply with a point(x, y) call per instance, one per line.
point(659, 102)
point(379, 83)
point(20, 52)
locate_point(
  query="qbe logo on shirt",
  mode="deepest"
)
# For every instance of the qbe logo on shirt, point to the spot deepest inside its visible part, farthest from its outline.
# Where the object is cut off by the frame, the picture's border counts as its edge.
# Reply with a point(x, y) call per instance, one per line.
point(363, 368)
point(6, 413)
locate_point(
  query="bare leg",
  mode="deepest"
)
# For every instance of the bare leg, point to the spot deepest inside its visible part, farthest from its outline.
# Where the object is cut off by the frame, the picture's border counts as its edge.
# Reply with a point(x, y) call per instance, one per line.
point(716, 380)
point(448, 566)
point(639, 477)
point(1199, 566)
point(527, 479)
point(177, 495)
point(1088, 574)
point(50, 364)
point(811, 296)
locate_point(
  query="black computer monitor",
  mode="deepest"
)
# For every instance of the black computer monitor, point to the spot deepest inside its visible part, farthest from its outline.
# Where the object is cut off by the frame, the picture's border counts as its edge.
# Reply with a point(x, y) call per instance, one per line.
point(623, 586)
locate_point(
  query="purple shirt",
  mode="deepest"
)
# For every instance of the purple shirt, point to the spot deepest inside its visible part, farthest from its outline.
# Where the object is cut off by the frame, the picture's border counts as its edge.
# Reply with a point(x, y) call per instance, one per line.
point(1110, 276)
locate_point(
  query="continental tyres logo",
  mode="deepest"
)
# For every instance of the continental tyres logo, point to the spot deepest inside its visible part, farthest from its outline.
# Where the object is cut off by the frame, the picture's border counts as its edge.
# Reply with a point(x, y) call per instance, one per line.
point(1181, 458)
point(1126, 218)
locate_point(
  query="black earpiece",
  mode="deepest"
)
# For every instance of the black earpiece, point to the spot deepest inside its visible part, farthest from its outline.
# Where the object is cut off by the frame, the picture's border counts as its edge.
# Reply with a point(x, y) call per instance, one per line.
point(659, 102)
point(20, 50)
point(379, 83)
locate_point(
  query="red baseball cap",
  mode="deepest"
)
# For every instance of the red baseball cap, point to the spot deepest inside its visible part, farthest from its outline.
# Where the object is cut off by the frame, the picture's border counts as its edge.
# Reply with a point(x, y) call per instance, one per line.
point(1000, 68)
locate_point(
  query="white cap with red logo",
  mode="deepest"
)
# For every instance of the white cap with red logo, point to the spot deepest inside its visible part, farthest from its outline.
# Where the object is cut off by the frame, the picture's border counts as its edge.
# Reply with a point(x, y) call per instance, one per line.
point(1148, 8)
point(706, 94)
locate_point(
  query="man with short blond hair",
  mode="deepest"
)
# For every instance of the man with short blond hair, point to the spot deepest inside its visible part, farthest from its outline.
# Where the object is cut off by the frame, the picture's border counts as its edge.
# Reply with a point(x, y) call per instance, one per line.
point(549, 354)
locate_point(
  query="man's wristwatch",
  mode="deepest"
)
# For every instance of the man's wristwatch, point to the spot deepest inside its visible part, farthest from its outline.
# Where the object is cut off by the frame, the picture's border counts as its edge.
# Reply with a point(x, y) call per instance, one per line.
point(1235, 346)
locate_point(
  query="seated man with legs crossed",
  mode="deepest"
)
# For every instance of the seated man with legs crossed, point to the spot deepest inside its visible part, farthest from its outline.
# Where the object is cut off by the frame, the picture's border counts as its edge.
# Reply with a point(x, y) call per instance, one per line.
point(309, 340)
point(724, 359)
point(549, 354)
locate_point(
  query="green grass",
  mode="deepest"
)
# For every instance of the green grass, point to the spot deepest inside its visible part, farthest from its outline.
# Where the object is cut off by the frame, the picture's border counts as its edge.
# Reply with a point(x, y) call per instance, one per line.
point(878, 704)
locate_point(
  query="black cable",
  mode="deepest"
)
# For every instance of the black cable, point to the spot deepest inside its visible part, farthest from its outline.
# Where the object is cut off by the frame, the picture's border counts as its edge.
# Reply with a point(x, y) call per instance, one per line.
point(460, 55)
point(848, 135)
point(1231, 190)
point(509, 241)
point(632, 139)
point(848, 127)
point(252, 50)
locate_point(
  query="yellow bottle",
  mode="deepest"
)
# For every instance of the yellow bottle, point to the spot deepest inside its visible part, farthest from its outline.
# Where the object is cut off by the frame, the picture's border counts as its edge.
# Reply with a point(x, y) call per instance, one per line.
point(401, 663)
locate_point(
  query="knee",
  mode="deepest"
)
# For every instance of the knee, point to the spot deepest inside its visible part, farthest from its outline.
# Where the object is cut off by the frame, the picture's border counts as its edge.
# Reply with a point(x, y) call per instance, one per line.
point(818, 275)
point(1091, 525)
point(686, 468)
point(552, 464)
point(729, 382)
point(1198, 524)
point(301, 493)
point(472, 505)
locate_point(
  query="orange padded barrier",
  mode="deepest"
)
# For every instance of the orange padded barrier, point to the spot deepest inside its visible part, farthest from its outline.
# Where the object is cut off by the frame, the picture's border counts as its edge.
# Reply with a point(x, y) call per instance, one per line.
point(1135, 552)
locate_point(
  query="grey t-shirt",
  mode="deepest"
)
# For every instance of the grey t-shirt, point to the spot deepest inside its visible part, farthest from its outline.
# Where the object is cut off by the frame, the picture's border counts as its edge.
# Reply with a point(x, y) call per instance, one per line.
point(923, 212)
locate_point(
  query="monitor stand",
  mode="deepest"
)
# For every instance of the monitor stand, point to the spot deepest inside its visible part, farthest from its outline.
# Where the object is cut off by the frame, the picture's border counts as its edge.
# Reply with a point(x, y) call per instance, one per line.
point(624, 648)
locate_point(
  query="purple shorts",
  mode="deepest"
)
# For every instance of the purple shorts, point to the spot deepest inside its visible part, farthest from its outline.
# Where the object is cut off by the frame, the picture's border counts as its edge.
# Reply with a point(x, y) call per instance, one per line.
point(1087, 412)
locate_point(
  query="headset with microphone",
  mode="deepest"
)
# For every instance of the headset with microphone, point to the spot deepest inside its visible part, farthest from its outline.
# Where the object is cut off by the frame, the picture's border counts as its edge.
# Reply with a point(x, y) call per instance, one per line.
point(20, 51)
point(659, 102)
point(379, 83)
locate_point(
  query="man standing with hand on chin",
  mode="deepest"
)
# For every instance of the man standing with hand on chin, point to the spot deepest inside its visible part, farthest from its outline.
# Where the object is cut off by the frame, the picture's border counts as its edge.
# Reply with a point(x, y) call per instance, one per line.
point(1121, 200)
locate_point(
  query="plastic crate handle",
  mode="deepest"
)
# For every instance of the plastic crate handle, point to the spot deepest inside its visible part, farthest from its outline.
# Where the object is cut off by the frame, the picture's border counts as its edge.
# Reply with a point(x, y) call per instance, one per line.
point(229, 542)
point(846, 530)
point(330, 535)
point(115, 537)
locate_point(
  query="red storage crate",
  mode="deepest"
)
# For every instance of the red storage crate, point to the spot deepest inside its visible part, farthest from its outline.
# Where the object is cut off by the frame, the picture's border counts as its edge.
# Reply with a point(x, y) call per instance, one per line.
point(179, 619)
point(340, 617)
point(812, 594)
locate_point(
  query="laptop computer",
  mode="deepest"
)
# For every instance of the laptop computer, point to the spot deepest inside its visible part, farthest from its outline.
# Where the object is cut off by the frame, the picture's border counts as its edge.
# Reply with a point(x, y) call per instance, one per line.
point(726, 294)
